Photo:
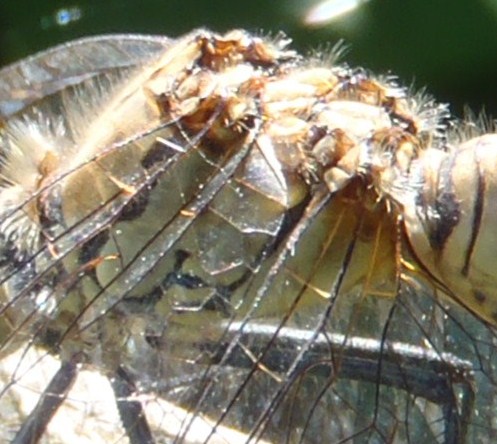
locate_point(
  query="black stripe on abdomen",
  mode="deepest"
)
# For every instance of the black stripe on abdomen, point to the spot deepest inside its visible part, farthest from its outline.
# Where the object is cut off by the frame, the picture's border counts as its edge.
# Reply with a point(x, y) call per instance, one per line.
point(477, 217)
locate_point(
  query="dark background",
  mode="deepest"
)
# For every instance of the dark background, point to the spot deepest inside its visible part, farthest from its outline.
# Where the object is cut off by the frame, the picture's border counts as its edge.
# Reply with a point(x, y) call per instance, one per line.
point(448, 46)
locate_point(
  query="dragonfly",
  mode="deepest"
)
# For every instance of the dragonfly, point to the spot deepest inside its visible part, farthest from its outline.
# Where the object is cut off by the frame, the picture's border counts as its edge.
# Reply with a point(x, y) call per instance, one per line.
point(216, 239)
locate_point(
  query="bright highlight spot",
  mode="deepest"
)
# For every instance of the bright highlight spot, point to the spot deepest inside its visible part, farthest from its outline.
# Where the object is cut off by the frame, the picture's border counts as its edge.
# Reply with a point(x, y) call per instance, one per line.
point(65, 16)
point(328, 10)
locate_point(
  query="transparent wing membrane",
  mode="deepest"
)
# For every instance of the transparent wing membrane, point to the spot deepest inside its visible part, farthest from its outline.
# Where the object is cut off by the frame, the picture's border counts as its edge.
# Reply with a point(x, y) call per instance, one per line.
point(53, 70)
point(215, 240)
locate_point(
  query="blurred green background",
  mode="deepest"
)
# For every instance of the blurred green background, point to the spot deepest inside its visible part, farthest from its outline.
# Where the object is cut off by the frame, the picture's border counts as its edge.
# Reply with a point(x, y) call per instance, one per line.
point(448, 46)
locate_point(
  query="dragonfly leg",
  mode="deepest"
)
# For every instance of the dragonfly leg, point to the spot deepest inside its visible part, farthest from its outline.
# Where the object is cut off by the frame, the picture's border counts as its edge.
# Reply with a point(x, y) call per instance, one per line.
point(50, 400)
point(131, 411)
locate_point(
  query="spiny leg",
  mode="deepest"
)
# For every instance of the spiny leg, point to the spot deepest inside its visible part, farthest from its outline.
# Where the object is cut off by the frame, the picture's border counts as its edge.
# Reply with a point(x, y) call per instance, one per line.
point(131, 411)
point(50, 400)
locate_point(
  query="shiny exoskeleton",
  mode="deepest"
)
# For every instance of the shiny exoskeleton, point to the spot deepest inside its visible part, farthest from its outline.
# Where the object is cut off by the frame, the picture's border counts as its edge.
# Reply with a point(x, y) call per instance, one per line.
point(219, 221)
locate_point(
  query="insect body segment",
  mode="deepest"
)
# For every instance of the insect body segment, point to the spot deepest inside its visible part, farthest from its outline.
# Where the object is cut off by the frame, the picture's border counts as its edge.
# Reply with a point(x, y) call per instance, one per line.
point(449, 222)
point(153, 214)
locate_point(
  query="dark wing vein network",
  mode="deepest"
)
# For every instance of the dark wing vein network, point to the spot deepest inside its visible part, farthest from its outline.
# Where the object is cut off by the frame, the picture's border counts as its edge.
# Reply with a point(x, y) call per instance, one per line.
point(181, 258)
point(25, 83)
